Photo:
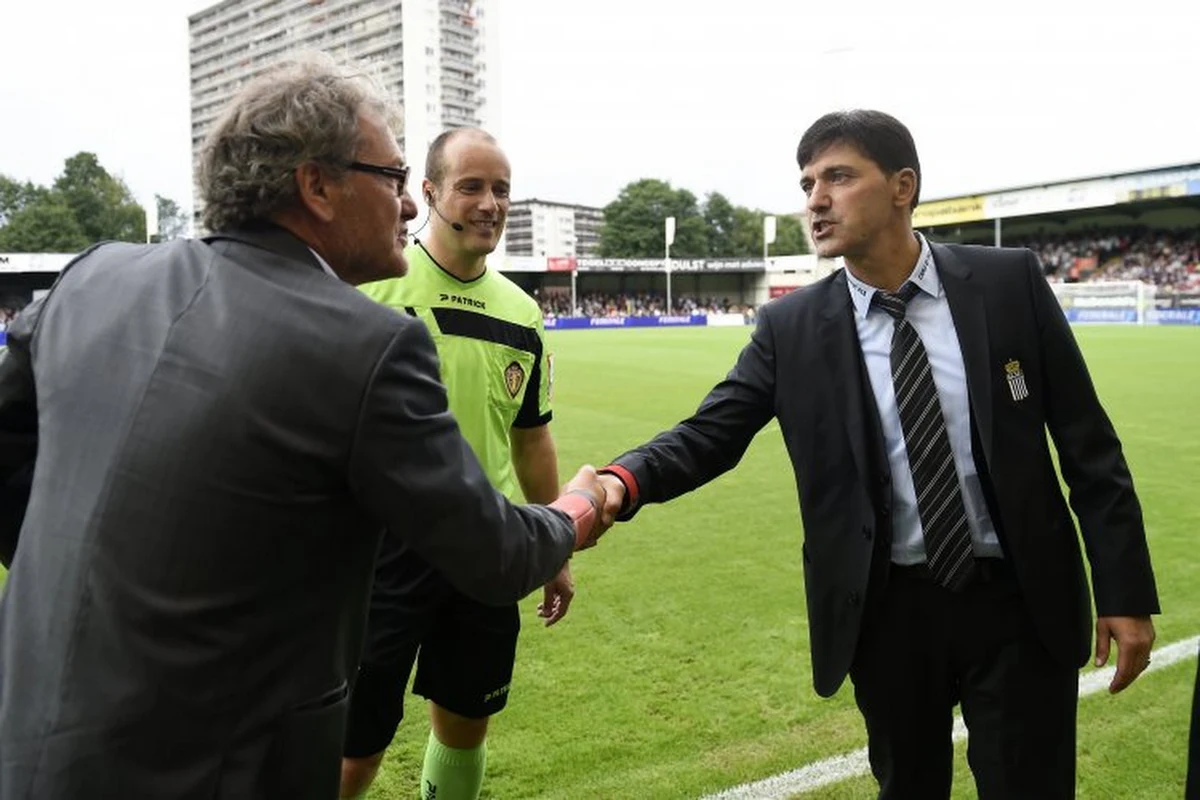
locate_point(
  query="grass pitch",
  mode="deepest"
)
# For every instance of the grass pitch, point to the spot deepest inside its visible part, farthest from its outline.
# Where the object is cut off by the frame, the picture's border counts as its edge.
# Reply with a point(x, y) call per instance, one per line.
point(683, 666)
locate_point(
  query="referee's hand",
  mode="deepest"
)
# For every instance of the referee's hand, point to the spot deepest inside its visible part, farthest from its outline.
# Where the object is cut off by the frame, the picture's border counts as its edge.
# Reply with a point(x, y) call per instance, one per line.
point(557, 596)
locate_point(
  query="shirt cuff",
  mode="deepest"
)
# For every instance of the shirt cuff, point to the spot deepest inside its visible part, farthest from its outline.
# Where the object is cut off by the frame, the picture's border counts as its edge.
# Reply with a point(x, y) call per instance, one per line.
point(631, 486)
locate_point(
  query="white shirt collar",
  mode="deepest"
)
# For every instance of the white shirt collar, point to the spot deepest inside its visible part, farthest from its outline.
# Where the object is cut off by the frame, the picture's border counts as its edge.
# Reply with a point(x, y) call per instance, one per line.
point(324, 264)
point(924, 275)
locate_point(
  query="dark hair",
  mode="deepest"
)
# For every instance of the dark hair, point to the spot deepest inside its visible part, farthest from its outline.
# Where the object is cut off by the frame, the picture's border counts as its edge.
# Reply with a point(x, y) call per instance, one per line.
point(435, 160)
point(878, 136)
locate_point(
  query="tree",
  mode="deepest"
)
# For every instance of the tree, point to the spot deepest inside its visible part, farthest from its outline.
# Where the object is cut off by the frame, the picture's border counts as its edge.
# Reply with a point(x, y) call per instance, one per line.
point(633, 223)
point(719, 216)
point(172, 221)
point(103, 206)
point(86, 205)
point(633, 226)
point(43, 227)
point(15, 196)
point(790, 239)
point(748, 234)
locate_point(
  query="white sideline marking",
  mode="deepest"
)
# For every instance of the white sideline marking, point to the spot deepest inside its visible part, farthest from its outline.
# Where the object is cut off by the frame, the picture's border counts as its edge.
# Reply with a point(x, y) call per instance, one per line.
point(848, 765)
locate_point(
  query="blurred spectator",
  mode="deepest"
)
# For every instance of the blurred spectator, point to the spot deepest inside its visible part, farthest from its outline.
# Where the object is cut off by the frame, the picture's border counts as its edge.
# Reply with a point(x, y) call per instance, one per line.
point(640, 304)
point(10, 306)
point(1168, 259)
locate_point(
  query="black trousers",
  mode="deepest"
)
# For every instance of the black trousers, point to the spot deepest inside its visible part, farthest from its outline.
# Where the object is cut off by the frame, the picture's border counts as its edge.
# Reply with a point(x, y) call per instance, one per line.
point(1193, 773)
point(923, 650)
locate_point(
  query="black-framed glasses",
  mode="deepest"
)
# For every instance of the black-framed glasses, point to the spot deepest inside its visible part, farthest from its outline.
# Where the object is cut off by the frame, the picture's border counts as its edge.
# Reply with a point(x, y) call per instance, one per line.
point(398, 174)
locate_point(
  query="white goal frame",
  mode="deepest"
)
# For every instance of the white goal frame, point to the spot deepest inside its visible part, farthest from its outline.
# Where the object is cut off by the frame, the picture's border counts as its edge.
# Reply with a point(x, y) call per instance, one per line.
point(1110, 302)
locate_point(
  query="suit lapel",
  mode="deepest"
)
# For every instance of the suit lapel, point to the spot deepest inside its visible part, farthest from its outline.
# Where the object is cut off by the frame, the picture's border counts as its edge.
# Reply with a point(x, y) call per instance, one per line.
point(839, 345)
point(969, 312)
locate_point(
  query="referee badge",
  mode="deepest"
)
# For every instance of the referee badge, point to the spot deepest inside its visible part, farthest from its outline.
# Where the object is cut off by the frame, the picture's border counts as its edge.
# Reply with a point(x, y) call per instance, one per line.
point(514, 378)
point(1016, 380)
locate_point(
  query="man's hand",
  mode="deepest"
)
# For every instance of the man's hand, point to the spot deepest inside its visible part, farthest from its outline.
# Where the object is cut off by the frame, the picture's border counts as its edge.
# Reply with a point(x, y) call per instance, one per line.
point(557, 596)
point(589, 519)
point(1135, 637)
point(614, 489)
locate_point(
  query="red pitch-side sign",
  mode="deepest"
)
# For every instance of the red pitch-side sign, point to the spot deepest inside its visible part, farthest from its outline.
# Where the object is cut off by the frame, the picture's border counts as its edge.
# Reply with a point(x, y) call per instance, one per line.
point(561, 264)
point(780, 291)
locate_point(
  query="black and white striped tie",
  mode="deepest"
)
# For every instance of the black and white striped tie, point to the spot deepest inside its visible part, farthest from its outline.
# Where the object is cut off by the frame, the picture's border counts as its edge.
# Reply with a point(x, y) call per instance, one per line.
point(939, 499)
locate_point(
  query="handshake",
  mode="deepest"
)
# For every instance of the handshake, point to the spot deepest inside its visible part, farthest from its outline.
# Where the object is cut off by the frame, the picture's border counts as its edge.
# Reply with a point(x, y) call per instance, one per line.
point(592, 501)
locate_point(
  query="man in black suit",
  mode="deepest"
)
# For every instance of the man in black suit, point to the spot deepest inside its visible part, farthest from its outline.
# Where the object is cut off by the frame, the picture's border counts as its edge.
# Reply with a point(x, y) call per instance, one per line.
point(223, 427)
point(914, 389)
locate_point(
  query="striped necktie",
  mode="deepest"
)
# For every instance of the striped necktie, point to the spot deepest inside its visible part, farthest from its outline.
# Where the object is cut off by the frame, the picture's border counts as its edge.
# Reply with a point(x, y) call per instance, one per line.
point(939, 499)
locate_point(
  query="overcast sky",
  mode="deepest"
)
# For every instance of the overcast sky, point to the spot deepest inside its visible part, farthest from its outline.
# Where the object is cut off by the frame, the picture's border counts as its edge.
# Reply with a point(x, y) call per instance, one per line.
point(709, 96)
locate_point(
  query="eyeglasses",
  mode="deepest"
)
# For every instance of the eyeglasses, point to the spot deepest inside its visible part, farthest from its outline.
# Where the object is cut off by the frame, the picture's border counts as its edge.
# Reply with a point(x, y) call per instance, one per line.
point(398, 174)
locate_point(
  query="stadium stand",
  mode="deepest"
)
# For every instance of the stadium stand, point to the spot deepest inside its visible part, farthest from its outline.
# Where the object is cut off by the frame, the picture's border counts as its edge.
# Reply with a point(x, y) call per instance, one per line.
point(642, 304)
point(1168, 259)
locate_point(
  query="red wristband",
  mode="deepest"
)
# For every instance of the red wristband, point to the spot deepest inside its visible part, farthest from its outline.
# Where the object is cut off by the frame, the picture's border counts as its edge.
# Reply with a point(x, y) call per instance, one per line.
point(582, 510)
point(630, 483)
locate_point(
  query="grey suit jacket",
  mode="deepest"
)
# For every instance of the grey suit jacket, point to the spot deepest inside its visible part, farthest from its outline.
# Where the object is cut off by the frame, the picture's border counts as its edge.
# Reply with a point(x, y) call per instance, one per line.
point(223, 431)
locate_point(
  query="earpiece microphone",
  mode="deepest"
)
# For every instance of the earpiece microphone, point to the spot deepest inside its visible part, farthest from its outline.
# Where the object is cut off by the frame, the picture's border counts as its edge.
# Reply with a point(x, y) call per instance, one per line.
point(455, 225)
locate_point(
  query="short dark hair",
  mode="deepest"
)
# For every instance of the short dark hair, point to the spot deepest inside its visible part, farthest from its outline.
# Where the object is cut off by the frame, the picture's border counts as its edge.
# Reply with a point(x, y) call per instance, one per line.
point(878, 136)
point(435, 160)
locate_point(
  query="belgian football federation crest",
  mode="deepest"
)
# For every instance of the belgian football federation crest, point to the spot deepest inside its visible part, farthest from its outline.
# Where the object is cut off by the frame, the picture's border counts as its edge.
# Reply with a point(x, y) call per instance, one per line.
point(514, 378)
point(1016, 380)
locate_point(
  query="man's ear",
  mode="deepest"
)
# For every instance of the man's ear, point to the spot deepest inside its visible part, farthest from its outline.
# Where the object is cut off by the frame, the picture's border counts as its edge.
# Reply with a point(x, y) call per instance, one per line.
point(905, 183)
point(314, 188)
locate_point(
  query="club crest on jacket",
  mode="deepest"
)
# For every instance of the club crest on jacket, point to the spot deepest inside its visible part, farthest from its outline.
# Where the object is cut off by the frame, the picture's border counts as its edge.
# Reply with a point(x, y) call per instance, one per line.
point(1016, 380)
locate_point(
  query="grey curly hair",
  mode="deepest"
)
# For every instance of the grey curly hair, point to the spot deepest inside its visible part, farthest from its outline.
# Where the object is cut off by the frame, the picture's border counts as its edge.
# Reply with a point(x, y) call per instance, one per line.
point(304, 110)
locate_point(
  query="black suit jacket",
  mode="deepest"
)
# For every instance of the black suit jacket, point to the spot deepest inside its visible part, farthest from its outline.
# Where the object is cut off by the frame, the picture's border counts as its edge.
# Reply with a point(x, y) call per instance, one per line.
point(804, 366)
point(223, 433)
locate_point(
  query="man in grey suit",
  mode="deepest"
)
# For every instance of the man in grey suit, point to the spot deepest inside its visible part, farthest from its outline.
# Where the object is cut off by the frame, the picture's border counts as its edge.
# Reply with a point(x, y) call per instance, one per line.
point(222, 428)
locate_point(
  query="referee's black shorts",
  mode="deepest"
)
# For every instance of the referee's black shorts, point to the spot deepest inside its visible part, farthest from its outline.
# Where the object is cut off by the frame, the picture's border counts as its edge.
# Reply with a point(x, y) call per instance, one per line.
point(463, 650)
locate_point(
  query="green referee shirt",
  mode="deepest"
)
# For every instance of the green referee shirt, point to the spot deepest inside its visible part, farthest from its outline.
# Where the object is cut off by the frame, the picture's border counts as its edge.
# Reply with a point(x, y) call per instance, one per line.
point(491, 344)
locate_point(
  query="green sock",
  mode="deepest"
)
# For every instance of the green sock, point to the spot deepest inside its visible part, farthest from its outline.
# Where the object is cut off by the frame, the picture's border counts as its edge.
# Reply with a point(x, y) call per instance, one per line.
point(450, 773)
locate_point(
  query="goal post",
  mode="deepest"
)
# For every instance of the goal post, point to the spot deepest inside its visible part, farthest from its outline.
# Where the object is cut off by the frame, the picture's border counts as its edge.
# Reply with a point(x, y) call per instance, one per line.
point(1121, 302)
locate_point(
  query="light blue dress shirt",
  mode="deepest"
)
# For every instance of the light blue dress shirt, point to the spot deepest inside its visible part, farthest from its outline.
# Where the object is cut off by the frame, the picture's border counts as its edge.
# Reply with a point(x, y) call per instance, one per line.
point(929, 314)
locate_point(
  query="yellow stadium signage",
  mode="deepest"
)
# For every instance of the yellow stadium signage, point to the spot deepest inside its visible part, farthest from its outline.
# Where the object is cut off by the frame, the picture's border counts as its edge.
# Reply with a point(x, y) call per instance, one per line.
point(949, 212)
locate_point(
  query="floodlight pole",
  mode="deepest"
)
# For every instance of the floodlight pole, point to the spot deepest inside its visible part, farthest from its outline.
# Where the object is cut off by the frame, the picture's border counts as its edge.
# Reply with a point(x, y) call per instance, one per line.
point(668, 239)
point(768, 236)
point(574, 304)
point(667, 263)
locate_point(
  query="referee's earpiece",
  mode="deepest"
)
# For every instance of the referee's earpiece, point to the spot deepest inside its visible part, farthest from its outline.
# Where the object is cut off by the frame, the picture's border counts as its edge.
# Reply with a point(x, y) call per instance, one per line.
point(430, 203)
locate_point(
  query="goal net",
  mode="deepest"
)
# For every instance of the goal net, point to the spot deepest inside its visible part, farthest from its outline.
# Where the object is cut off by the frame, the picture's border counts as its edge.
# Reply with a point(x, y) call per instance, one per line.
point(1128, 302)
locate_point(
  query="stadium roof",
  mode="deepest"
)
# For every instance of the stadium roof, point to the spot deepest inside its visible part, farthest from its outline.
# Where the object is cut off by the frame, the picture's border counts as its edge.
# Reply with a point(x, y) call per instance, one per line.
point(1121, 188)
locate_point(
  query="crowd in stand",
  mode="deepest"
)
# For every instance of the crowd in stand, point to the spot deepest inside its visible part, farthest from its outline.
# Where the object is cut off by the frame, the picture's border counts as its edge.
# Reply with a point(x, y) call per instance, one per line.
point(1168, 259)
point(639, 304)
point(9, 308)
